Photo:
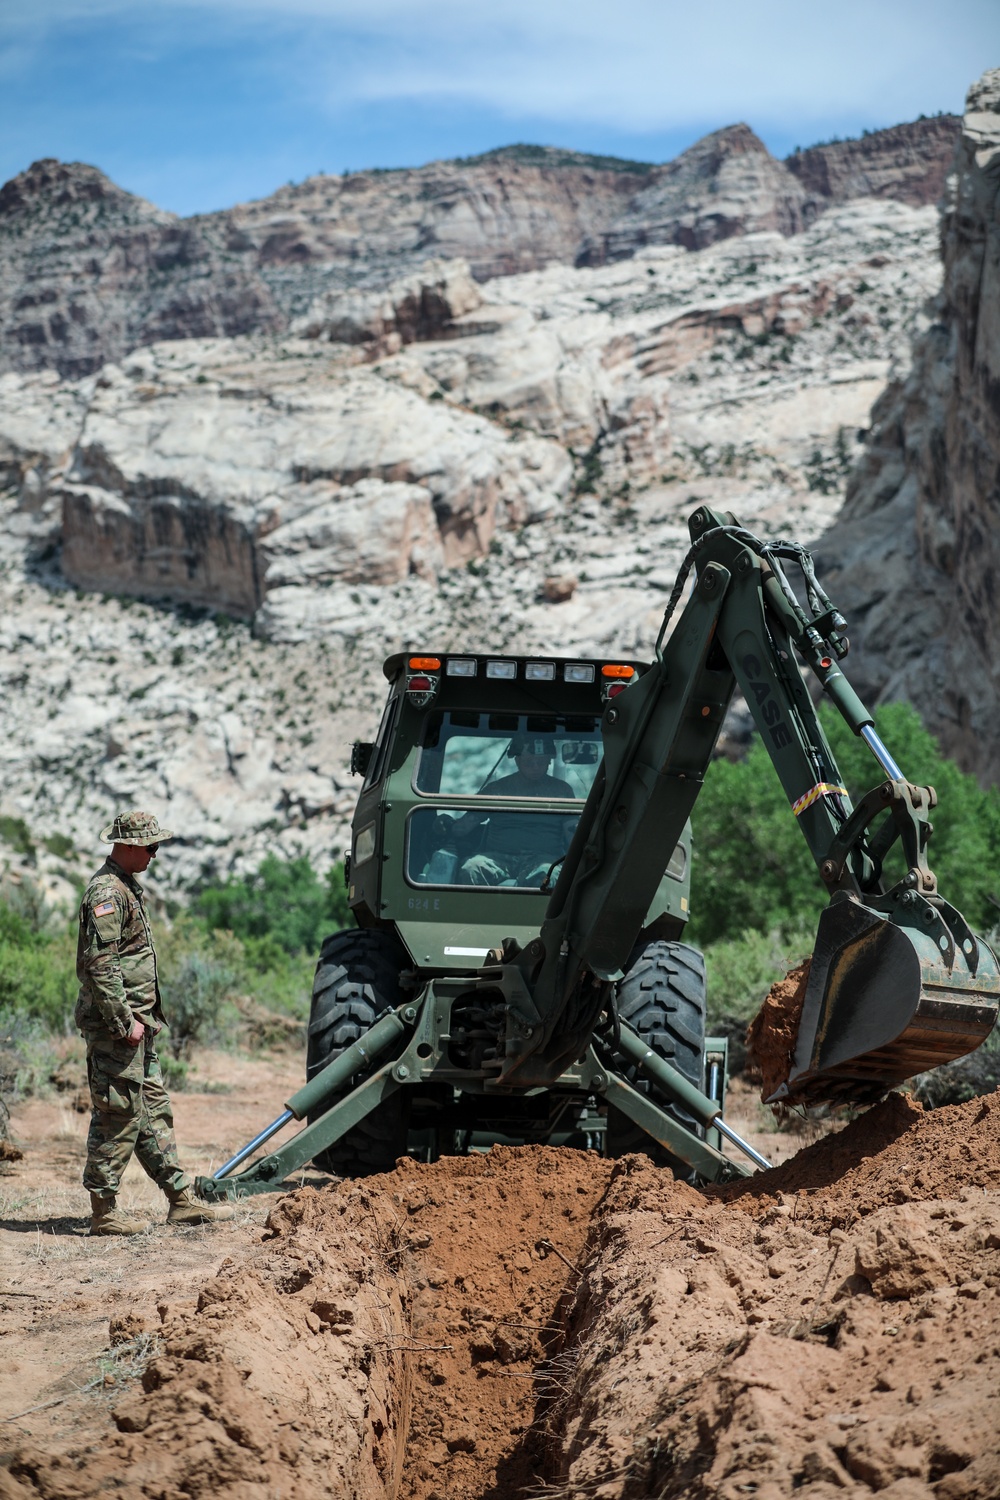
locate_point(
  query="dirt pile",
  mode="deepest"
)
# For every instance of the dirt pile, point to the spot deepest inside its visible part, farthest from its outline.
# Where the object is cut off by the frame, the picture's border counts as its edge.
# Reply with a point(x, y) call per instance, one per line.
point(893, 1153)
point(382, 1340)
point(837, 1335)
point(283, 1379)
point(774, 1030)
point(542, 1320)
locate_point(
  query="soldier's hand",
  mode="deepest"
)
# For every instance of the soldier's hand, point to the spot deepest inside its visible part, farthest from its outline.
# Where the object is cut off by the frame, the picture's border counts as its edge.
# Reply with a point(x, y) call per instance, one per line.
point(136, 1035)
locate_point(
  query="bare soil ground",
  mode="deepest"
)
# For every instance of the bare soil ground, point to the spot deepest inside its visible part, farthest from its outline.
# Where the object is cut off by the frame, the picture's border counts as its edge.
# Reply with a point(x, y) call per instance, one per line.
point(530, 1321)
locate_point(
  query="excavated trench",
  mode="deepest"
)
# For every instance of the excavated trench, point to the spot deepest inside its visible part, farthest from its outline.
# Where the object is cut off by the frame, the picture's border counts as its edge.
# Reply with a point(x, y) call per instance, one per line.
point(540, 1320)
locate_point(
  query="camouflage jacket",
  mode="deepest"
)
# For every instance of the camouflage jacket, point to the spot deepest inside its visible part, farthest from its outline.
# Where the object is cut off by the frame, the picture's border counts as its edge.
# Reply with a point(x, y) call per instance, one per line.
point(115, 961)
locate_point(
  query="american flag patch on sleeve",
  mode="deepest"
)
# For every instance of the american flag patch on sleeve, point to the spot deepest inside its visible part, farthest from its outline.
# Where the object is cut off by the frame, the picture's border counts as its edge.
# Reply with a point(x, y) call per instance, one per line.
point(105, 909)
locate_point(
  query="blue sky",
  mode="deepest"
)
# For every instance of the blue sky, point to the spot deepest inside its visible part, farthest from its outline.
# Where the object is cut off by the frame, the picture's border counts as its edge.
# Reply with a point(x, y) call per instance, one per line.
point(197, 104)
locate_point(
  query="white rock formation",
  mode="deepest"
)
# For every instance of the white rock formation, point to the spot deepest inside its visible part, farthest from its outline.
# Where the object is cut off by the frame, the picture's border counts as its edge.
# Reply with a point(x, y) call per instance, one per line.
point(406, 469)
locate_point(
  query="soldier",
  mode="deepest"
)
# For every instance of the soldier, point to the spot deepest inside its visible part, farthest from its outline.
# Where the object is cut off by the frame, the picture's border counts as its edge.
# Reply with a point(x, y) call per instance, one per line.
point(119, 1013)
point(517, 848)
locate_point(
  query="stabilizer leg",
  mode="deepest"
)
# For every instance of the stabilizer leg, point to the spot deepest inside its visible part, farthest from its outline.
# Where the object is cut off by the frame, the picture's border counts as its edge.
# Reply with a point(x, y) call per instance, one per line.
point(268, 1173)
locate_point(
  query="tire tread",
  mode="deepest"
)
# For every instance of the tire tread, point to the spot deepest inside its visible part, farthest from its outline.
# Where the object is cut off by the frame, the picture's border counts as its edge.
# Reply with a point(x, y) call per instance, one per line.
point(662, 997)
point(357, 980)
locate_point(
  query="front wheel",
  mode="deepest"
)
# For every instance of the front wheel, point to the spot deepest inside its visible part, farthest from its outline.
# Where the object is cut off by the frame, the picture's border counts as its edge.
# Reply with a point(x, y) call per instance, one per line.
point(357, 980)
point(662, 997)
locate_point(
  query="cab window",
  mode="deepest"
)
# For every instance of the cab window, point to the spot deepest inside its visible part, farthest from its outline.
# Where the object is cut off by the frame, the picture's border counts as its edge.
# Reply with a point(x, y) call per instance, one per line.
point(498, 848)
point(468, 754)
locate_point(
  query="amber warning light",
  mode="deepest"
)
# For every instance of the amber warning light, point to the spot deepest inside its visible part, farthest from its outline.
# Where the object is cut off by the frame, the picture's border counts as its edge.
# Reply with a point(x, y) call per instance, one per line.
point(614, 670)
point(425, 664)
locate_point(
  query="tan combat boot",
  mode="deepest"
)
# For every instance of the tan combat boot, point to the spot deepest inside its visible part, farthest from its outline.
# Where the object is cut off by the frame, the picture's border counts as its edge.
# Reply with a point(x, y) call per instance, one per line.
point(186, 1209)
point(107, 1218)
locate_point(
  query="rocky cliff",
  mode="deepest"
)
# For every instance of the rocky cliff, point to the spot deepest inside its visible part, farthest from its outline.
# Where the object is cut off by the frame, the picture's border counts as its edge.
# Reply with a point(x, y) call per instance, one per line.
point(505, 464)
point(89, 272)
point(470, 405)
point(726, 184)
point(917, 545)
point(907, 162)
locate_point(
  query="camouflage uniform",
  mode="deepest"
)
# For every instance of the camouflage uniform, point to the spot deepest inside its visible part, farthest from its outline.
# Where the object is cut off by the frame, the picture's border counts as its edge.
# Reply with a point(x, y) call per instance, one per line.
point(116, 966)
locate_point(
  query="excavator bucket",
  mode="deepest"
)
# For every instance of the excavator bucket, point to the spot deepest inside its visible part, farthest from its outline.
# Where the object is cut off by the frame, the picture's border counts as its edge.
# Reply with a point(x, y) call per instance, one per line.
point(884, 1001)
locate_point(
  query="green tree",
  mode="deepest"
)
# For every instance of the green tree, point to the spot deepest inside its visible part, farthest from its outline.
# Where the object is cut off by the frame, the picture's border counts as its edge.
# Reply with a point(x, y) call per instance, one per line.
point(284, 904)
point(964, 851)
point(752, 867)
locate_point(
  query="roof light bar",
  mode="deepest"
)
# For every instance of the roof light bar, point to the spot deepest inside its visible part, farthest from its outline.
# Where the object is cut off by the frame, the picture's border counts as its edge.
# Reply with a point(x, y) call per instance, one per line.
point(578, 671)
point(502, 669)
point(540, 671)
point(461, 666)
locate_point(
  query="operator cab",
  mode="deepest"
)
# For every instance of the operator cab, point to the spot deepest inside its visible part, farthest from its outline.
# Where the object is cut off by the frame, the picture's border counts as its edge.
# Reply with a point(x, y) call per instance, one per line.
point(473, 789)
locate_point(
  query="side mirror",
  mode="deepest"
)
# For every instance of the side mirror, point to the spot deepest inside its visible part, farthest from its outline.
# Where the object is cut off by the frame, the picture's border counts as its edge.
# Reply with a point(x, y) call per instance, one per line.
point(361, 757)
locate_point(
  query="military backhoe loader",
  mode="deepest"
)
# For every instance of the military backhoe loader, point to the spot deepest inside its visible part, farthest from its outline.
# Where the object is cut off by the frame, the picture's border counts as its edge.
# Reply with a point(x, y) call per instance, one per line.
point(520, 877)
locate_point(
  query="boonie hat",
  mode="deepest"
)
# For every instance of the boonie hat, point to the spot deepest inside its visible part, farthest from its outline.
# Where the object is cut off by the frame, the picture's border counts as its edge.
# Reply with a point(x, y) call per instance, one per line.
point(135, 828)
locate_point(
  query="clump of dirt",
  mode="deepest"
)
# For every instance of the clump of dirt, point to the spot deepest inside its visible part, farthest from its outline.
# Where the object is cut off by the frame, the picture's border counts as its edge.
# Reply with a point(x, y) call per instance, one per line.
point(286, 1378)
point(774, 1030)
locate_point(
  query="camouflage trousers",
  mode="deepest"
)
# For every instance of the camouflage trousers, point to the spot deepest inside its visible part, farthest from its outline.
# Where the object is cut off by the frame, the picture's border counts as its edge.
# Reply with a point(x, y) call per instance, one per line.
point(130, 1112)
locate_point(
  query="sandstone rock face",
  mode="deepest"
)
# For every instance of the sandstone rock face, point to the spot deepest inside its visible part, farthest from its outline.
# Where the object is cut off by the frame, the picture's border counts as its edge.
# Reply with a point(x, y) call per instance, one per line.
point(918, 542)
point(907, 162)
point(422, 306)
point(506, 465)
point(508, 211)
point(726, 184)
point(200, 464)
point(89, 272)
point(211, 472)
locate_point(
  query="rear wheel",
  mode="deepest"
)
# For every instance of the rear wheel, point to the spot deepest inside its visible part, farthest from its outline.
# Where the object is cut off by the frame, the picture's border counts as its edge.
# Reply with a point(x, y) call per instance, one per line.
point(662, 997)
point(357, 980)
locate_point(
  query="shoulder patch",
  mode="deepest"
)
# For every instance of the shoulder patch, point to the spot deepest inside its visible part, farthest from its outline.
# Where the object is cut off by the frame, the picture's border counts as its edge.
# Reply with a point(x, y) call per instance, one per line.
point(105, 909)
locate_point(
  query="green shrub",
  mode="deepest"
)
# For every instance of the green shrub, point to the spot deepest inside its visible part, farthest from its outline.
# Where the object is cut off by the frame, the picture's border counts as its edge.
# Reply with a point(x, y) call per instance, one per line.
point(285, 902)
point(753, 870)
point(28, 1057)
point(175, 1072)
point(14, 831)
point(37, 959)
point(199, 982)
point(60, 845)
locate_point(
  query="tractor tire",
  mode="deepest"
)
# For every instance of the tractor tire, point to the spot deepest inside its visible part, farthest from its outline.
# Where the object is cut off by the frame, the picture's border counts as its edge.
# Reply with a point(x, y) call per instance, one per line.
point(662, 997)
point(357, 980)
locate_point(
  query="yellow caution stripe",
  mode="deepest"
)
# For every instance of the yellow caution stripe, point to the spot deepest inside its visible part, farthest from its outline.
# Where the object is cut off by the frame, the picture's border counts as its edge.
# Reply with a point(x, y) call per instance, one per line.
point(819, 790)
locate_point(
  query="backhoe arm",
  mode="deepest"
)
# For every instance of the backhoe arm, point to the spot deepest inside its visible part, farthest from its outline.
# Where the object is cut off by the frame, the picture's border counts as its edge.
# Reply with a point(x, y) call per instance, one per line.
point(742, 625)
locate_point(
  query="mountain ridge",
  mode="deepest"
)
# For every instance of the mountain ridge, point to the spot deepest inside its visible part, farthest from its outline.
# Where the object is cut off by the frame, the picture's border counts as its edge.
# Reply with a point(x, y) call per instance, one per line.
point(89, 272)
